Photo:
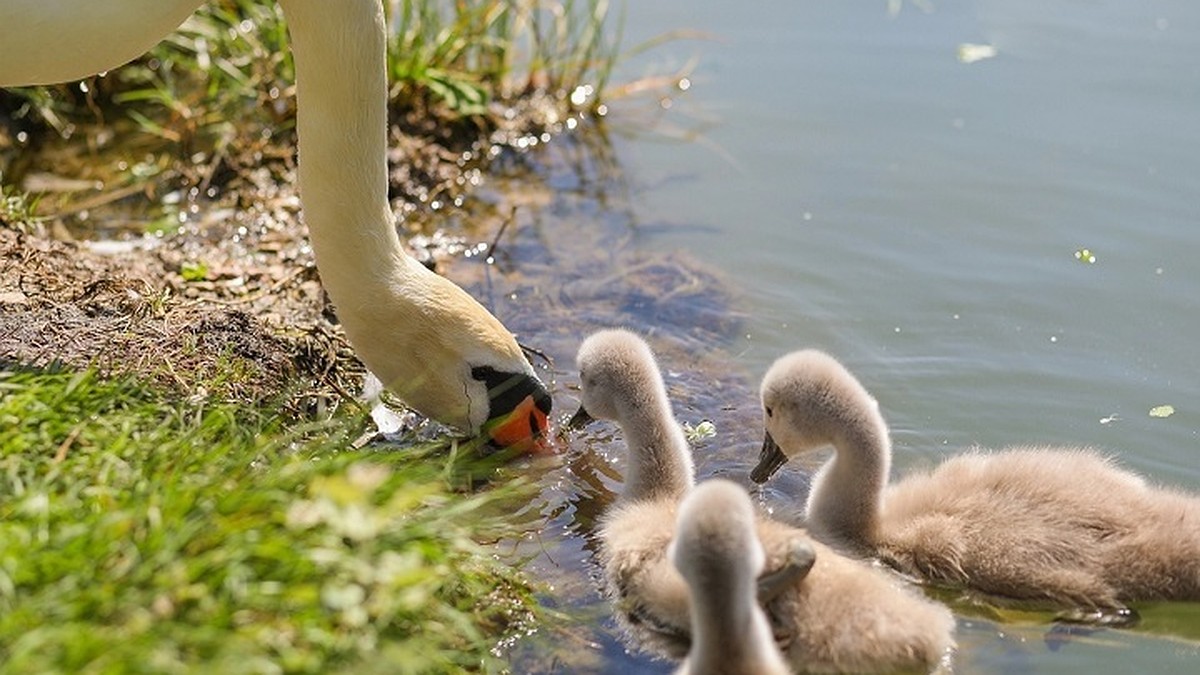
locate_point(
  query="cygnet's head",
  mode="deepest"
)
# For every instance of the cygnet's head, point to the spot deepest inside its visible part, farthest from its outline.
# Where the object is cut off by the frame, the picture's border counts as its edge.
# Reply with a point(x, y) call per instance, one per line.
point(617, 372)
point(809, 400)
point(715, 537)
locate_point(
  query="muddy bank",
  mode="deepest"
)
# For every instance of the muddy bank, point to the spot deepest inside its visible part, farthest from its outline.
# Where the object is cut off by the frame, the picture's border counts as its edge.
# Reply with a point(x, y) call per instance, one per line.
point(229, 305)
point(64, 304)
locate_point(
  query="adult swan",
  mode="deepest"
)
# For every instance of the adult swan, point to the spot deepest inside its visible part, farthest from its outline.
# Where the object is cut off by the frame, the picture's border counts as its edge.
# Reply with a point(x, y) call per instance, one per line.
point(424, 337)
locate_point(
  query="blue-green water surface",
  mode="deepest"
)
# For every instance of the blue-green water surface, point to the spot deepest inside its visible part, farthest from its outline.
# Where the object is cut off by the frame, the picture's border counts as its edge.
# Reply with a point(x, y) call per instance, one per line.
point(1004, 251)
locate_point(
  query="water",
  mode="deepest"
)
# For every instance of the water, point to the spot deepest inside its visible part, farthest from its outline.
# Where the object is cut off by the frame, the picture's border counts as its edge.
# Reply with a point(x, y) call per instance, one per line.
point(865, 192)
point(919, 217)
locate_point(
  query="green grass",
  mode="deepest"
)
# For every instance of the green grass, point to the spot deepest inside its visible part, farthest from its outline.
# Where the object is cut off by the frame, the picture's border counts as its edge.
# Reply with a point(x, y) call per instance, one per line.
point(214, 101)
point(17, 209)
point(466, 53)
point(226, 76)
point(140, 534)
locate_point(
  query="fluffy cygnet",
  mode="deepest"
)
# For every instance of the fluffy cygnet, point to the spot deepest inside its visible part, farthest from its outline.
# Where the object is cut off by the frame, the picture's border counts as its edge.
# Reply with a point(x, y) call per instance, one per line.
point(834, 615)
point(1057, 526)
point(720, 558)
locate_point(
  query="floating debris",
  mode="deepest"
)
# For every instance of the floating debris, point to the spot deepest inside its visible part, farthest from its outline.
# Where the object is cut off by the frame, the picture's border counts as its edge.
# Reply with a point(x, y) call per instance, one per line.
point(705, 429)
point(1085, 256)
point(970, 53)
point(1162, 411)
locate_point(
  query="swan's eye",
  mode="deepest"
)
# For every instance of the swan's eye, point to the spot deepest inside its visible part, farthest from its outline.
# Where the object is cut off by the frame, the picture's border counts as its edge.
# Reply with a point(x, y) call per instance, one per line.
point(769, 413)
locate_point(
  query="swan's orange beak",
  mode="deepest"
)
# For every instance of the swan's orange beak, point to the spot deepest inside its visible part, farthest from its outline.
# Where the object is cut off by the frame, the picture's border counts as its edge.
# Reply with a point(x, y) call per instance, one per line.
point(521, 431)
point(519, 409)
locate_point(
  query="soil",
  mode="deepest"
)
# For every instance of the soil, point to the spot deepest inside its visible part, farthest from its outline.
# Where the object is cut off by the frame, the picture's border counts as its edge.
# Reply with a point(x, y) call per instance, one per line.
point(229, 306)
point(251, 328)
point(225, 301)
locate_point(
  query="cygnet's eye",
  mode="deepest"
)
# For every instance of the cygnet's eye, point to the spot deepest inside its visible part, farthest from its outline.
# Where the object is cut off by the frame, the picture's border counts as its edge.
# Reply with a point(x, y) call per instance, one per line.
point(769, 413)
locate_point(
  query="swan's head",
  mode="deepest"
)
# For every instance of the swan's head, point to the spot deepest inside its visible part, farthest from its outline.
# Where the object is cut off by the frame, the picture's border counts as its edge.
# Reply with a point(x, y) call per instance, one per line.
point(809, 400)
point(442, 352)
point(518, 407)
point(617, 371)
point(715, 537)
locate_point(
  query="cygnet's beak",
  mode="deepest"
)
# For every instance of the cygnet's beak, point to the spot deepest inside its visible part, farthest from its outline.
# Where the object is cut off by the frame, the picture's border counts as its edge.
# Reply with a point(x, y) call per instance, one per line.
point(580, 419)
point(769, 460)
point(519, 407)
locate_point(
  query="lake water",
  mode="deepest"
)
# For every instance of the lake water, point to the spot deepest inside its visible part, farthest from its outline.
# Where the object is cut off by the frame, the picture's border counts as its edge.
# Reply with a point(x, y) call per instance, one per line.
point(863, 190)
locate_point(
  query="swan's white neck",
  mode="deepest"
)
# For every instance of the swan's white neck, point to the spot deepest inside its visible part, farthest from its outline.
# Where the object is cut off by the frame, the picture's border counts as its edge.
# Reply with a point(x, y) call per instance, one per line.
point(418, 332)
point(659, 459)
point(845, 499)
point(340, 56)
point(341, 69)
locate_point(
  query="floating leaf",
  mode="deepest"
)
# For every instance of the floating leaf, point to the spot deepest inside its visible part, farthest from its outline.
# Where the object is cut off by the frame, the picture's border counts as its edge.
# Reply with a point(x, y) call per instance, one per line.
point(1162, 411)
point(704, 429)
point(970, 53)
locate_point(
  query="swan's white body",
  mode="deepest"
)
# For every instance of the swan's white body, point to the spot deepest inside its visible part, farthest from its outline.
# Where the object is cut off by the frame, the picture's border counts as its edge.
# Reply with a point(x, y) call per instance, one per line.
point(1058, 526)
point(424, 337)
point(843, 616)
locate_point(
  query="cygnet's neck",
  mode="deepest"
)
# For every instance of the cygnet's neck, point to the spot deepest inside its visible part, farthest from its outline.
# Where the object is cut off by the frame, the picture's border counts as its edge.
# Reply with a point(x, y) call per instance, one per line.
point(729, 630)
point(659, 461)
point(844, 503)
